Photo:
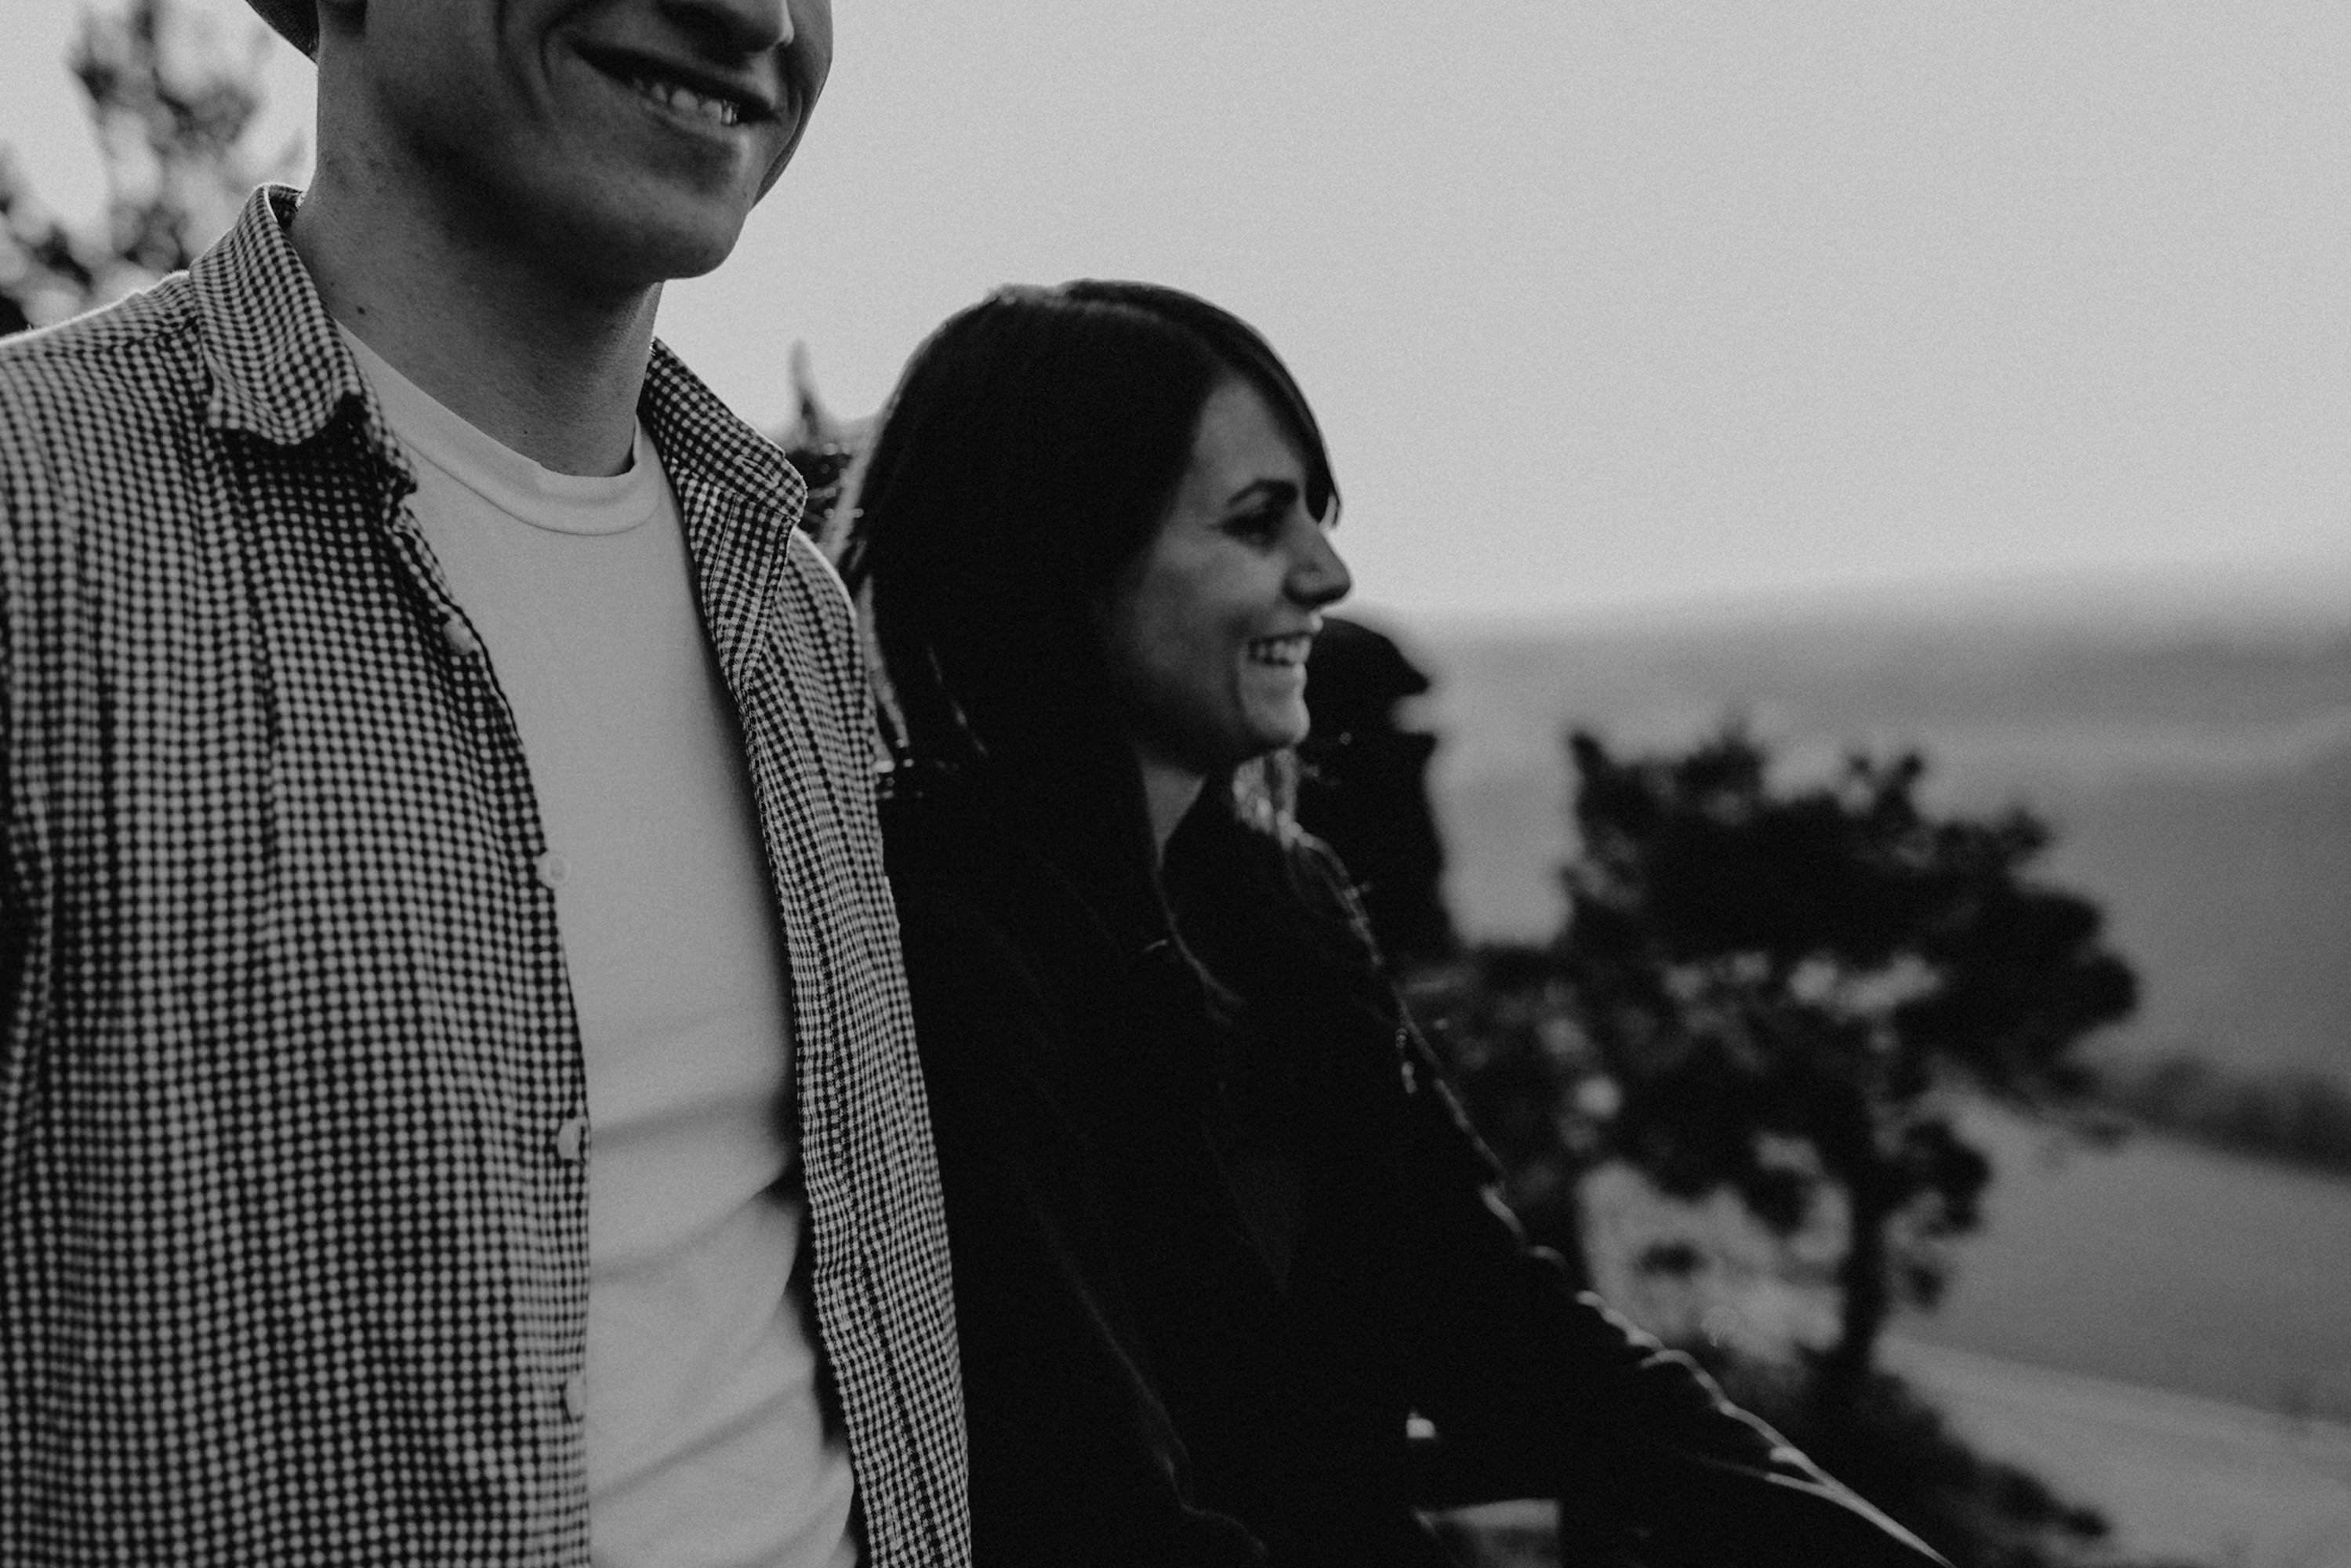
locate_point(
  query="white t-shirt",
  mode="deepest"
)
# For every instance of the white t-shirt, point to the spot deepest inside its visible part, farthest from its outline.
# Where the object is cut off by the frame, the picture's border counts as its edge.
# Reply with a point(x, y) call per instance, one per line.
point(708, 1440)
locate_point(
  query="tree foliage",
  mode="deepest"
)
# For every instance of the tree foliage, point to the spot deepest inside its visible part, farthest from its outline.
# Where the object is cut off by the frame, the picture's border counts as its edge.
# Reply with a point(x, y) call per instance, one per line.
point(1504, 1019)
point(171, 111)
point(1781, 982)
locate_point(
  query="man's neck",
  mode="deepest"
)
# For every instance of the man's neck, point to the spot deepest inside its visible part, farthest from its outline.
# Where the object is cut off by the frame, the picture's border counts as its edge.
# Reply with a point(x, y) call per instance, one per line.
point(542, 365)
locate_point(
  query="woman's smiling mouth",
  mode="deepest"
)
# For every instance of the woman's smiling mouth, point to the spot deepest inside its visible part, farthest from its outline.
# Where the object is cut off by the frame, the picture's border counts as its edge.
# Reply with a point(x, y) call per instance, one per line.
point(1289, 651)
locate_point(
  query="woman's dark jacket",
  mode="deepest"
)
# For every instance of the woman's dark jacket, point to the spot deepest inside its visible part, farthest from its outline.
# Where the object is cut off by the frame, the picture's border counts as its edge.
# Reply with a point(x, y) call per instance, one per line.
point(1214, 1241)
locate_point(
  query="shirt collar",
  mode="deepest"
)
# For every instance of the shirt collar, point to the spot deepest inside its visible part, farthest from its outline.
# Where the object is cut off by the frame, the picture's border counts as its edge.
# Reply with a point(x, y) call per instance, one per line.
point(281, 371)
point(694, 430)
point(739, 501)
point(278, 370)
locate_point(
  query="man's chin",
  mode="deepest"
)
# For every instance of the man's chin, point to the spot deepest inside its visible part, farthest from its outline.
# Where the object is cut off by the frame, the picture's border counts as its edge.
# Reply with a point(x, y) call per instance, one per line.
point(639, 255)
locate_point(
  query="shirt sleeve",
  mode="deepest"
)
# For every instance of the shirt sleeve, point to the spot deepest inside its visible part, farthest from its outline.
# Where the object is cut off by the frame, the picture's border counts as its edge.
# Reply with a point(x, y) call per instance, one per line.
point(14, 935)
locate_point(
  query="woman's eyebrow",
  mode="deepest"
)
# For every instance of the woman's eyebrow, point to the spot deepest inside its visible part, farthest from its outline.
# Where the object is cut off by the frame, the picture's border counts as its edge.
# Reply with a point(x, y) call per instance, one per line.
point(1283, 491)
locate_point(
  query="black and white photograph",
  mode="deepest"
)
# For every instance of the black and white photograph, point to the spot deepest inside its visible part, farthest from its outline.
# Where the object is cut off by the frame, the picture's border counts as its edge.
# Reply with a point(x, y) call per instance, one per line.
point(1271, 784)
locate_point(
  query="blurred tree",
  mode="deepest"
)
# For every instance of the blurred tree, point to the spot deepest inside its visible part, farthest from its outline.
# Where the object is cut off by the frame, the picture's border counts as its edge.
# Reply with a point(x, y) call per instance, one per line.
point(823, 447)
point(43, 277)
point(1780, 981)
point(1503, 1020)
point(170, 109)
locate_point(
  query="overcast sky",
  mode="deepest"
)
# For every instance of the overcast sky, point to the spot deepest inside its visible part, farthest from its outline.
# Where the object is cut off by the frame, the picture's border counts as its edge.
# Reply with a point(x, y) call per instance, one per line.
point(1605, 303)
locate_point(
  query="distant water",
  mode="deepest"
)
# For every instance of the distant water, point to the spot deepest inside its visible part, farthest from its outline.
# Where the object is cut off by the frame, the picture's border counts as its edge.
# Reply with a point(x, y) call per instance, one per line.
point(2154, 1263)
point(2158, 1264)
point(2154, 1329)
point(2177, 1477)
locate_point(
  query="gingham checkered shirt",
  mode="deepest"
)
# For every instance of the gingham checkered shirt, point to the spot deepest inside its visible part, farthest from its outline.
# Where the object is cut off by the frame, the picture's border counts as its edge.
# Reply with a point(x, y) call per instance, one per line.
point(293, 1243)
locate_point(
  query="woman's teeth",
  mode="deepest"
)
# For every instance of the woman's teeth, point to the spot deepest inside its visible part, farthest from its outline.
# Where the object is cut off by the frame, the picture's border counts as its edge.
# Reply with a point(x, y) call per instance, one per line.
point(685, 100)
point(1281, 650)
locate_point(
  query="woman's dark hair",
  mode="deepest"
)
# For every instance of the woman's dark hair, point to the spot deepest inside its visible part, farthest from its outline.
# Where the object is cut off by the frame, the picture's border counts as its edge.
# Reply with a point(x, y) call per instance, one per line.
point(1030, 452)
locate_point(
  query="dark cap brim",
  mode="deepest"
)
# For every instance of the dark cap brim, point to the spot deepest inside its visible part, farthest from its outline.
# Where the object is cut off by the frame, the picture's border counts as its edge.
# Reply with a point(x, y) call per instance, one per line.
point(297, 22)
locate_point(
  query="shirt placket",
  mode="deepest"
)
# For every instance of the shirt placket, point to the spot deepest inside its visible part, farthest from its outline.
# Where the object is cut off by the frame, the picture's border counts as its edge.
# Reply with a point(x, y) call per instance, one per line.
point(554, 1143)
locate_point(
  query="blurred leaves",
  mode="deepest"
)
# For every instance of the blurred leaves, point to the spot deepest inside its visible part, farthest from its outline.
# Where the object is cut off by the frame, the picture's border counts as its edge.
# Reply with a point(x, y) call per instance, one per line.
point(171, 107)
point(1784, 982)
point(1504, 1019)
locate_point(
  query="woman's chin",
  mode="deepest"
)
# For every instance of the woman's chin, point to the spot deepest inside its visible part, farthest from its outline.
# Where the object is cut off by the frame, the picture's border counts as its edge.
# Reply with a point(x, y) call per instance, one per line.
point(1278, 734)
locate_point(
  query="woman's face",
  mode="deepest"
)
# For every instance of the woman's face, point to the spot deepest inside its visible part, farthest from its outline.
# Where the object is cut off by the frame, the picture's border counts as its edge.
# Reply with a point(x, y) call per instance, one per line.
point(1207, 630)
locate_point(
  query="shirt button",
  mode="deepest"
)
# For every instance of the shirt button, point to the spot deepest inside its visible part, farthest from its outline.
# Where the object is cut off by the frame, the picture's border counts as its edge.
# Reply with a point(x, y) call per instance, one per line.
point(553, 870)
point(575, 1396)
point(459, 637)
point(571, 1140)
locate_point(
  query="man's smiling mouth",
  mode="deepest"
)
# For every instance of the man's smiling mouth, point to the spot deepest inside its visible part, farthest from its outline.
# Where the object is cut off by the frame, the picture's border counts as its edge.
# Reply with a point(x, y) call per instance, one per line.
point(690, 95)
point(684, 99)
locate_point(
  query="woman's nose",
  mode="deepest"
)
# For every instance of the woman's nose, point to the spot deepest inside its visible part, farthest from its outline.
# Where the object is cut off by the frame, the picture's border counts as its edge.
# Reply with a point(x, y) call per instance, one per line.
point(1318, 577)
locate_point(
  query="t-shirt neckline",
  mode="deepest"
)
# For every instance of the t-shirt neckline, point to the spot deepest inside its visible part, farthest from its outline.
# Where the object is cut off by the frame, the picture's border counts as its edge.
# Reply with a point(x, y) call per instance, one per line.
point(513, 484)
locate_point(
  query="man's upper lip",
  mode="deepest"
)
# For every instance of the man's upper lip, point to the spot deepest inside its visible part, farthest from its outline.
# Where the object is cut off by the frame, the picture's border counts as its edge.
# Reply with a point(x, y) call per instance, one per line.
point(754, 98)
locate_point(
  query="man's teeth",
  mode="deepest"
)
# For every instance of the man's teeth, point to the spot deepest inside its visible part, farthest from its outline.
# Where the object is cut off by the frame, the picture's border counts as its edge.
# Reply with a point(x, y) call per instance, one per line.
point(1281, 650)
point(685, 100)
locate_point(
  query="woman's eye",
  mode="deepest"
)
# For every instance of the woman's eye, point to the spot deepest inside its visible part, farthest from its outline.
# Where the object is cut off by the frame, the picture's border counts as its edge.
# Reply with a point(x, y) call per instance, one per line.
point(1257, 527)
